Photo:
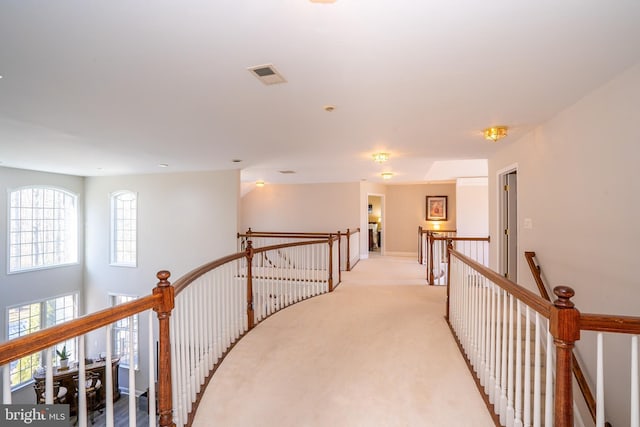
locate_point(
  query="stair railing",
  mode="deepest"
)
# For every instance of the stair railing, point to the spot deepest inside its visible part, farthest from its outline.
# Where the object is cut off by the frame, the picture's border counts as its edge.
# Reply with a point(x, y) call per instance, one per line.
point(348, 251)
point(217, 303)
point(489, 315)
point(477, 248)
point(161, 301)
point(423, 242)
point(578, 373)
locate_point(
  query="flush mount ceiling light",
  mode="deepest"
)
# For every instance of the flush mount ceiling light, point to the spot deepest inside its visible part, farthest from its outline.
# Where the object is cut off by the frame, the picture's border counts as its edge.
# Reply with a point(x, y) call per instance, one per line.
point(163, 165)
point(380, 157)
point(259, 183)
point(495, 133)
point(386, 175)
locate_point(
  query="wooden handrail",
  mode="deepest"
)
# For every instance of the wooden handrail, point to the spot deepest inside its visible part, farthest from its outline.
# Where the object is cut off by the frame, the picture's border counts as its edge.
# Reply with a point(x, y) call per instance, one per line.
point(161, 301)
point(529, 298)
point(609, 323)
point(45, 338)
point(535, 270)
point(464, 239)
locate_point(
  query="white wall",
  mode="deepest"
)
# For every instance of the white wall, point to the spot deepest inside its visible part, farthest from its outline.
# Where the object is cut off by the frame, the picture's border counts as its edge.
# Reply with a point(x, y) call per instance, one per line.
point(472, 207)
point(579, 183)
point(21, 288)
point(184, 220)
point(301, 207)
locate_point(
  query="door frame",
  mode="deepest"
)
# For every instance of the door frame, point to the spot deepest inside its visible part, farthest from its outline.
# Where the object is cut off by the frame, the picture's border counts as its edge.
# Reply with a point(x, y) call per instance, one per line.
point(503, 245)
point(382, 223)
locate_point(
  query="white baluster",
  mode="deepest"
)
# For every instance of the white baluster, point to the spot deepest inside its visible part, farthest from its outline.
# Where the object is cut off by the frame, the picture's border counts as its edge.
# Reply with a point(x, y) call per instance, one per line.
point(517, 422)
point(82, 385)
point(503, 372)
point(536, 376)
point(600, 382)
point(510, 386)
point(132, 377)
point(492, 345)
point(48, 387)
point(527, 371)
point(108, 378)
point(6, 384)
point(175, 367)
point(152, 373)
point(483, 329)
point(548, 404)
point(635, 398)
point(498, 372)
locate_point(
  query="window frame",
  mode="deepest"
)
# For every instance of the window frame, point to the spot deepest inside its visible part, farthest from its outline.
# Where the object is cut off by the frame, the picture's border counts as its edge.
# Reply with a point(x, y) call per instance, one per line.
point(39, 357)
point(74, 230)
point(114, 220)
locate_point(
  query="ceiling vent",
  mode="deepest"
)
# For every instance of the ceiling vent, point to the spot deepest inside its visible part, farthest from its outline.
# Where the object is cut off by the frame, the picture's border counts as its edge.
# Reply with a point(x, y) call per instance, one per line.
point(287, 172)
point(267, 74)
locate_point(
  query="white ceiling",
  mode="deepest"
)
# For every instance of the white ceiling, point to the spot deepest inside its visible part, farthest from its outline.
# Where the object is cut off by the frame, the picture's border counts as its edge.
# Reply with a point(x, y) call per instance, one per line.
point(117, 87)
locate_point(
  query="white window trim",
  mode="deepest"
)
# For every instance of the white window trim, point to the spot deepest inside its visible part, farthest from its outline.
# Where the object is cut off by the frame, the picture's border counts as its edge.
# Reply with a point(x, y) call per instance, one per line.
point(8, 230)
point(42, 302)
point(112, 243)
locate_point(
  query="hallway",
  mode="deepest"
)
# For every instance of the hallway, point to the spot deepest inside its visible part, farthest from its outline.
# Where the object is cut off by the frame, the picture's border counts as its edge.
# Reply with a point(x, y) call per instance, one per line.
point(375, 352)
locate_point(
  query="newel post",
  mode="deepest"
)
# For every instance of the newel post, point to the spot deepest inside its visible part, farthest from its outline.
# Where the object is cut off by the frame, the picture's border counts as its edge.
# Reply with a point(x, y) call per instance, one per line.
point(339, 256)
point(348, 250)
point(165, 405)
point(564, 325)
point(419, 244)
point(449, 249)
point(430, 237)
point(249, 255)
point(330, 262)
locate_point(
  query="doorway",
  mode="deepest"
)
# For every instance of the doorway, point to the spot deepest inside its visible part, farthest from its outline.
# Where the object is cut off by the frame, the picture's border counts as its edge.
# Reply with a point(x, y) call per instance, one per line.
point(508, 223)
point(375, 221)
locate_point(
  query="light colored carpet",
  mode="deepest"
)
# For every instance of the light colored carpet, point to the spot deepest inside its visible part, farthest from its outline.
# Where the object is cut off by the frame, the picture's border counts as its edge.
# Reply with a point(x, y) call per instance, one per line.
point(376, 354)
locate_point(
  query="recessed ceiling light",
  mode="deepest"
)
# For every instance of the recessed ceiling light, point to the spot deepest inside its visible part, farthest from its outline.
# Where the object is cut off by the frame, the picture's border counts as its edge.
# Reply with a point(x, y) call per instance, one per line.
point(259, 183)
point(287, 172)
point(386, 175)
point(329, 108)
point(323, 1)
point(236, 160)
point(163, 165)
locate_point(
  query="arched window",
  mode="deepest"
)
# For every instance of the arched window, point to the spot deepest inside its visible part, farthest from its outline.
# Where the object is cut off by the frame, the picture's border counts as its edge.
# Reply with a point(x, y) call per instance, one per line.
point(43, 228)
point(124, 225)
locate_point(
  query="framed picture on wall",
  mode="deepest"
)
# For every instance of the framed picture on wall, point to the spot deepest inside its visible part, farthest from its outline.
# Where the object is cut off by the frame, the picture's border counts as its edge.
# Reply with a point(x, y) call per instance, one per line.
point(436, 208)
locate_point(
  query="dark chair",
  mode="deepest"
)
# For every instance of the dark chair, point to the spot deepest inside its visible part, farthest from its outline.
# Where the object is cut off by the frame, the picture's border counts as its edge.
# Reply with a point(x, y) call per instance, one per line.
point(59, 392)
point(93, 391)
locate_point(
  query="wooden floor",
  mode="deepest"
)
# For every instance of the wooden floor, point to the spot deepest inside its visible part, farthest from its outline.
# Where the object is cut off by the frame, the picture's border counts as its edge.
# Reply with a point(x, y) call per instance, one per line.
point(121, 414)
